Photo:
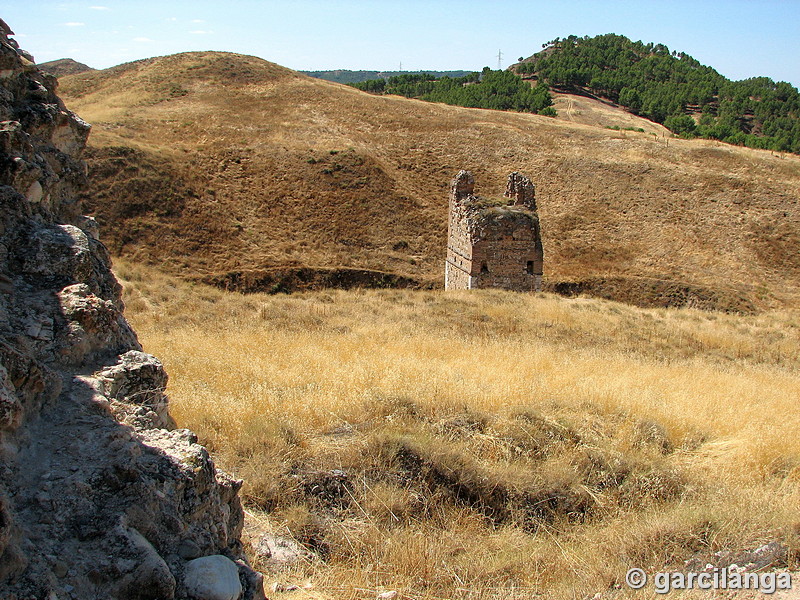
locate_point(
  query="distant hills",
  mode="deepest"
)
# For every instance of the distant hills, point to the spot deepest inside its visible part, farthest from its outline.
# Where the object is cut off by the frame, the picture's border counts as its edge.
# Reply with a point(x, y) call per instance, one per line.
point(672, 88)
point(64, 66)
point(498, 90)
point(233, 169)
point(346, 76)
point(669, 88)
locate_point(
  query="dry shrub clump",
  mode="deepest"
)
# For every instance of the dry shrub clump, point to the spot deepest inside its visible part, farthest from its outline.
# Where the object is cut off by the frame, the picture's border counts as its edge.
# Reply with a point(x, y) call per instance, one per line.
point(485, 444)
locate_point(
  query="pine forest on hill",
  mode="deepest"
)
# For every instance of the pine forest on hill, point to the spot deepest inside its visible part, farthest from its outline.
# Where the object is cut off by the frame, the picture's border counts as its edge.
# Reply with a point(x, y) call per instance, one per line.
point(499, 90)
point(674, 89)
point(348, 76)
point(671, 88)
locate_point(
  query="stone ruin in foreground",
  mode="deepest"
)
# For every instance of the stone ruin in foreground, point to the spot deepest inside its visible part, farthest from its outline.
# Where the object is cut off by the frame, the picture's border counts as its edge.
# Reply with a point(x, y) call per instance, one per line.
point(100, 495)
point(490, 243)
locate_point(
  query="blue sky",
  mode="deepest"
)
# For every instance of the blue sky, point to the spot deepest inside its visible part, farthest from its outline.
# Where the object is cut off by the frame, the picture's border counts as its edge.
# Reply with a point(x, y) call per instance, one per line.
point(738, 38)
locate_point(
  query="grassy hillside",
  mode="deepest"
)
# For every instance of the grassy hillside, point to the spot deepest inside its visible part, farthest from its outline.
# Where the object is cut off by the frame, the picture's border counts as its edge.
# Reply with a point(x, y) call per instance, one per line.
point(208, 163)
point(486, 445)
point(64, 66)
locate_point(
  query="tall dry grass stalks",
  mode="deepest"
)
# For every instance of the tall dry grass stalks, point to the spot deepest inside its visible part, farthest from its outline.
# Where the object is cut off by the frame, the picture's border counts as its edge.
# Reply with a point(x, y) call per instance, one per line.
point(486, 444)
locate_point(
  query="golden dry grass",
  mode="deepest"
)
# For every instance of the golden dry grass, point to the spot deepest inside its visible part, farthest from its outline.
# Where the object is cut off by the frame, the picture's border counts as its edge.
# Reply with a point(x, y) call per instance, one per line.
point(599, 113)
point(242, 164)
point(491, 444)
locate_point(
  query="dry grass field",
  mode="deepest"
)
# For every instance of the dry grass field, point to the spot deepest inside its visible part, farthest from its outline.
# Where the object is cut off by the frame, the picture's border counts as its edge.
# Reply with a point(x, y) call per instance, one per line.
point(485, 445)
point(480, 445)
point(207, 163)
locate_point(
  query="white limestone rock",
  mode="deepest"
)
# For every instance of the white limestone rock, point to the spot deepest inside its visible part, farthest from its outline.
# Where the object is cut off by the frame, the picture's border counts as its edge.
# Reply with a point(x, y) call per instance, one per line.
point(213, 577)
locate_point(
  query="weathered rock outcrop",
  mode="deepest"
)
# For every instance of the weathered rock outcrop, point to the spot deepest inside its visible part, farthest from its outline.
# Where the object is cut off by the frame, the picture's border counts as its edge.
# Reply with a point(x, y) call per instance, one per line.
point(100, 497)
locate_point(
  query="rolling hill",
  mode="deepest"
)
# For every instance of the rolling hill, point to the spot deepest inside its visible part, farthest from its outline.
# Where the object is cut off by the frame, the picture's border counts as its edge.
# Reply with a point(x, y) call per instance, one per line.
point(672, 88)
point(64, 66)
point(232, 169)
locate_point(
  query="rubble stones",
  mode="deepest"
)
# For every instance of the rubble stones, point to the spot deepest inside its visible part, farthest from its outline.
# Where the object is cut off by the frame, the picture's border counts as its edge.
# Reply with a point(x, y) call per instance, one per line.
point(137, 383)
point(769, 556)
point(276, 552)
point(95, 326)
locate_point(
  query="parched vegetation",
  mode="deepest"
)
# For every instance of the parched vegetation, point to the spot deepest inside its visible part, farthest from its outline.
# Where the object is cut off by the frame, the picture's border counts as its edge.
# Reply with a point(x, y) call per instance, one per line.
point(485, 444)
point(674, 89)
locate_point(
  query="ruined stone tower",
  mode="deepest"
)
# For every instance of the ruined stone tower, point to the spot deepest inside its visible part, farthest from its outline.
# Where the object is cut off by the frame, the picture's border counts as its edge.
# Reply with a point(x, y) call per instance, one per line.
point(493, 243)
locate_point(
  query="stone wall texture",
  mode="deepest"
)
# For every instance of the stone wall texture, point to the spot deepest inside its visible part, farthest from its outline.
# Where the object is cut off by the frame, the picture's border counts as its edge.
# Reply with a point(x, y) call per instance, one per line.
point(493, 244)
point(100, 495)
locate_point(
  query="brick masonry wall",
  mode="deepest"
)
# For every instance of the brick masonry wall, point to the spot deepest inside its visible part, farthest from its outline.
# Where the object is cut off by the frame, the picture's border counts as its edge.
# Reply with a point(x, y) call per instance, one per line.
point(499, 248)
point(505, 264)
point(458, 264)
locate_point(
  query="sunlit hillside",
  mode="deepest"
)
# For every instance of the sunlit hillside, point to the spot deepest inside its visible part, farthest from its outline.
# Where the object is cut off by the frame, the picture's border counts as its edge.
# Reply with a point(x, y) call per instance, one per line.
point(208, 163)
point(486, 444)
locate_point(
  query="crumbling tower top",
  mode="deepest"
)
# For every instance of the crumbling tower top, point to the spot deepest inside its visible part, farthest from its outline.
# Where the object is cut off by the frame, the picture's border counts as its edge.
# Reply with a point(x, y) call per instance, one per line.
point(521, 190)
point(462, 186)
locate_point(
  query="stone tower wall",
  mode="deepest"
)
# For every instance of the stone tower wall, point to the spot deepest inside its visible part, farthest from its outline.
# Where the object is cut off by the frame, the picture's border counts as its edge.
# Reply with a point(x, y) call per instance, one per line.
point(496, 247)
point(458, 266)
point(458, 270)
point(507, 265)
